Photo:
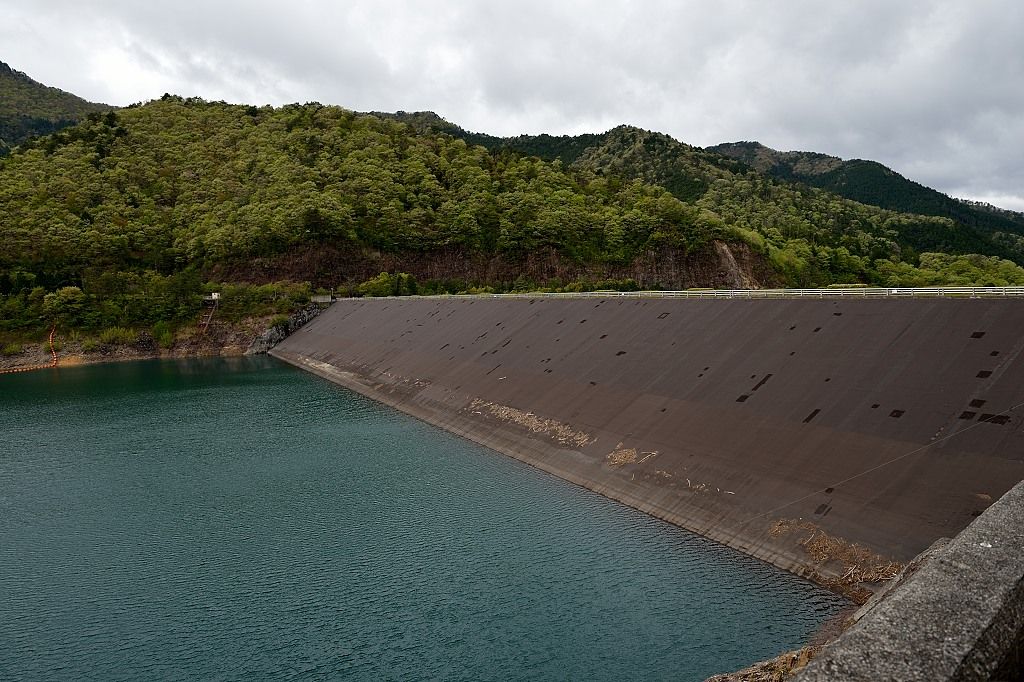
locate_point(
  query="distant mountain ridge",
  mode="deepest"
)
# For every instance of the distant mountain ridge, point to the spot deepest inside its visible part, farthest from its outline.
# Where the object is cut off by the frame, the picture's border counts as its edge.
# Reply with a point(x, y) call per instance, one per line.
point(29, 109)
point(870, 182)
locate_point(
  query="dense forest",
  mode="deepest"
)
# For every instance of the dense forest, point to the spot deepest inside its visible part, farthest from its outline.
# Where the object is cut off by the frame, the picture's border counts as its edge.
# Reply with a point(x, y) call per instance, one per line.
point(688, 172)
point(998, 232)
point(29, 109)
point(140, 204)
point(124, 220)
point(802, 225)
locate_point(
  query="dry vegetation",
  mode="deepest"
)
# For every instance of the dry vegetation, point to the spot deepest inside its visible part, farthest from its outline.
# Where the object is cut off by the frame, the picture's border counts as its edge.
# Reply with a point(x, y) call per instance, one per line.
point(621, 456)
point(859, 564)
point(562, 433)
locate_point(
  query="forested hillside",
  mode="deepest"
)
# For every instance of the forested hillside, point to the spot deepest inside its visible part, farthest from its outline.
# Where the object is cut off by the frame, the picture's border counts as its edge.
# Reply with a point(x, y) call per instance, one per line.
point(125, 219)
point(155, 198)
point(813, 236)
point(997, 232)
point(28, 108)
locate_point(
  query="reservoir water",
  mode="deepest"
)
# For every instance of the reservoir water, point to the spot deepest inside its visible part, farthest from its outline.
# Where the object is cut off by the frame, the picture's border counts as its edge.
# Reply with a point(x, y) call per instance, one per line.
point(238, 519)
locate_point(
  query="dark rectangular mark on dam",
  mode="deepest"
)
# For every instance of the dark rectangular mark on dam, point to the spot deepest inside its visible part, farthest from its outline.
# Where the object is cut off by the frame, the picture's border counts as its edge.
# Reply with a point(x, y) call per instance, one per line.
point(896, 414)
point(984, 374)
point(811, 416)
point(967, 414)
point(761, 382)
point(977, 335)
point(999, 419)
point(742, 398)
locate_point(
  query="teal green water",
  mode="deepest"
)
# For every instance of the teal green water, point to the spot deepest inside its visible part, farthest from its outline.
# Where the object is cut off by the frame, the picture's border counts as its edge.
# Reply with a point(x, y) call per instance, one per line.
point(239, 519)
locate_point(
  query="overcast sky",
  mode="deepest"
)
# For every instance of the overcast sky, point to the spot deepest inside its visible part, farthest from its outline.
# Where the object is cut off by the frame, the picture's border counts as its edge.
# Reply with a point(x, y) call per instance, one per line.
point(933, 89)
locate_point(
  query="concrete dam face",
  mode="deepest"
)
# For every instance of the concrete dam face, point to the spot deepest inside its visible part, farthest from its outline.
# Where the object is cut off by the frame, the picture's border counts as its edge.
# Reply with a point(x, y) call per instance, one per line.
point(834, 438)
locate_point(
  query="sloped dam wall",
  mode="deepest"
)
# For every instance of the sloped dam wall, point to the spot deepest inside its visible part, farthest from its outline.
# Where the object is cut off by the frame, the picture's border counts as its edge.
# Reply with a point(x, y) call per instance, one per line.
point(834, 438)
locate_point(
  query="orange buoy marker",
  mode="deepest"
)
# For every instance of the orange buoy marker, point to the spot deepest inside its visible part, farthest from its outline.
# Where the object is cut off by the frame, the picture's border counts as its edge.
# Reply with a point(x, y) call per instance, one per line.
point(53, 352)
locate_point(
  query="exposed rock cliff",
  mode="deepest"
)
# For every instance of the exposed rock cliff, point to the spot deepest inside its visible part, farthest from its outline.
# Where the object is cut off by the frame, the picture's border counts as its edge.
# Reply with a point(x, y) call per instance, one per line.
point(719, 265)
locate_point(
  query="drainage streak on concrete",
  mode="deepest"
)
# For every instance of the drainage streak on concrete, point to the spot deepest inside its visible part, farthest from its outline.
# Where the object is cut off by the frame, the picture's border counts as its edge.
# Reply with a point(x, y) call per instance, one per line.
point(833, 438)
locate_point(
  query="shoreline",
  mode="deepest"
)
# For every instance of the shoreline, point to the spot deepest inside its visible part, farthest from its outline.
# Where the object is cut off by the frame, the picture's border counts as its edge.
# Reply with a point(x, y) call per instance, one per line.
point(223, 339)
point(789, 562)
point(539, 455)
point(77, 359)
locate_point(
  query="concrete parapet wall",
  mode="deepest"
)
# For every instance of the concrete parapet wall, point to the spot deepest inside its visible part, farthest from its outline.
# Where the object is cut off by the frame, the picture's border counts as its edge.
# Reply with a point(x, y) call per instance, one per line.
point(959, 616)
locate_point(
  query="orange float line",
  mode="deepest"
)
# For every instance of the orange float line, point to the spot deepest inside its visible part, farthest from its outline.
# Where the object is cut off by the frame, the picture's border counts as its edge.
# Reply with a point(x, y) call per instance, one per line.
point(53, 352)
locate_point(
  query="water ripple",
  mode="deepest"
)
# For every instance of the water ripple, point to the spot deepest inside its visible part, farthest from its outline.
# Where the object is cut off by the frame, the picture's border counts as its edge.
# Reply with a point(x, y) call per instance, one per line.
point(238, 520)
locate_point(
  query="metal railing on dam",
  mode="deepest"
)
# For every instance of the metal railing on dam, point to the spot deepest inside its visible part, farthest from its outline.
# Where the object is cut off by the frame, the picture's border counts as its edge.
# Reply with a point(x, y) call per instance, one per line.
point(851, 292)
point(838, 293)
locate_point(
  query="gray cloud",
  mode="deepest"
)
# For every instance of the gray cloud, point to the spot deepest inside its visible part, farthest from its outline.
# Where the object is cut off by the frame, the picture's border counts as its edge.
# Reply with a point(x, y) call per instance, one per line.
point(933, 89)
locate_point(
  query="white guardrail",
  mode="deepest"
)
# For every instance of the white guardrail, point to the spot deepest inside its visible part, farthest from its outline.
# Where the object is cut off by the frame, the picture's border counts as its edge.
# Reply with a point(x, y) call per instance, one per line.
point(838, 292)
point(843, 292)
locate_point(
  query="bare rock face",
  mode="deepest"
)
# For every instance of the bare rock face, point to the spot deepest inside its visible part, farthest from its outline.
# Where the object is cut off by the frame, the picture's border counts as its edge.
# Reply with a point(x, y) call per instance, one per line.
point(732, 265)
point(279, 332)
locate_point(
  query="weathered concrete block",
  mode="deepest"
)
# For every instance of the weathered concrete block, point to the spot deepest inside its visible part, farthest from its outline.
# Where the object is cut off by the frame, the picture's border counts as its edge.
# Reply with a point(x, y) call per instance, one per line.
point(960, 616)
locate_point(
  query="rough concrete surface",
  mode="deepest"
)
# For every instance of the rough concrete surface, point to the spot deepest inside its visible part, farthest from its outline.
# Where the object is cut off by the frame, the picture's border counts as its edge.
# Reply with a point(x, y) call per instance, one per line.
point(833, 438)
point(959, 617)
